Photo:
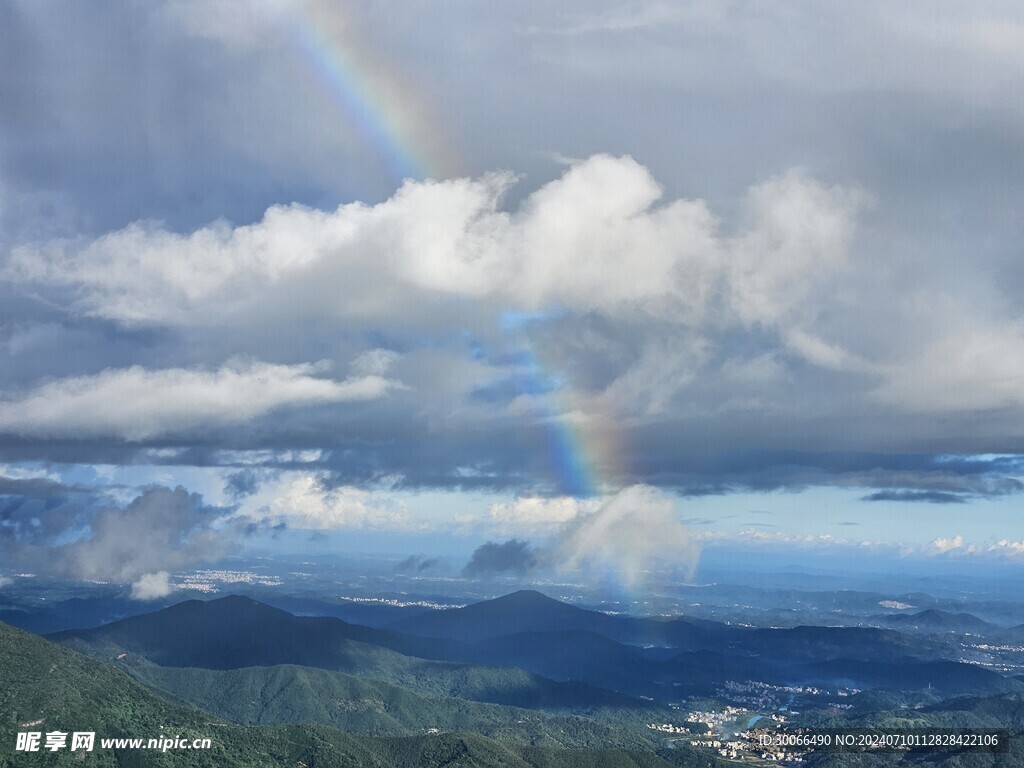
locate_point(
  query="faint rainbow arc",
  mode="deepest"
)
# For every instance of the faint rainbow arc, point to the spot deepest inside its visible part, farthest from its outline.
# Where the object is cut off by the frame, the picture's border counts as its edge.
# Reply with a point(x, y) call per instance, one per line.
point(379, 102)
point(587, 459)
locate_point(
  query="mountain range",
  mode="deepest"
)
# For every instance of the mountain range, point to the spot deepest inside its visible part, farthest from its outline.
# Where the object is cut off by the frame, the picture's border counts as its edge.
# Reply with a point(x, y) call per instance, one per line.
point(520, 672)
point(44, 687)
point(575, 658)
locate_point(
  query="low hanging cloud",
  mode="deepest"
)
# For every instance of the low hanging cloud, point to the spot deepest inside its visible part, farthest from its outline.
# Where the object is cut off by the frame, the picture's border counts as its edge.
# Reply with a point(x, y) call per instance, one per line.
point(162, 529)
point(137, 404)
point(152, 586)
point(635, 530)
point(417, 564)
point(511, 558)
point(66, 532)
point(630, 534)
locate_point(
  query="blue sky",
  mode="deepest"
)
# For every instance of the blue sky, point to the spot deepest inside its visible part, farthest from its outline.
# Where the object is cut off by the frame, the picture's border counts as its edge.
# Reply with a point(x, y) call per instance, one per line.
point(505, 272)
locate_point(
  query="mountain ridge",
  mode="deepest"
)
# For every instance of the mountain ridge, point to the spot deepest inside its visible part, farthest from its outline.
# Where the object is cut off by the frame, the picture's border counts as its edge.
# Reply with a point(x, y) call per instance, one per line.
point(45, 682)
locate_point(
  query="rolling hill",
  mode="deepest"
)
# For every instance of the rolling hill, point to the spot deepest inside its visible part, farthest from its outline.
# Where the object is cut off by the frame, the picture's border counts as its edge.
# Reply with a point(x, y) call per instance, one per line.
point(45, 686)
point(288, 694)
point(937, 621)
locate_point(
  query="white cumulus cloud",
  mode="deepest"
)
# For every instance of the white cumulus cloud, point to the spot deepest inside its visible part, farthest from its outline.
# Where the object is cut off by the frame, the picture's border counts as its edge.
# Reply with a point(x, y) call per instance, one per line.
point(152, 586)
point(953, 544)
point(306, 500)
point(534, 515)
point(598, 238)
point(1008, 548)
point(137, 404)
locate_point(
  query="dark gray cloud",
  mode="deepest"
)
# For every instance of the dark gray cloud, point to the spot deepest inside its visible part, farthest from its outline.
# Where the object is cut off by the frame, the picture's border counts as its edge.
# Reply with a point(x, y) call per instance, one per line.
point(243, 483)
point(35, 513)
point(98, 121)
point(506, 459)
point(931, 497)
point(513, 557)
point(39, 488)
point(417, 564)
point(714, 99)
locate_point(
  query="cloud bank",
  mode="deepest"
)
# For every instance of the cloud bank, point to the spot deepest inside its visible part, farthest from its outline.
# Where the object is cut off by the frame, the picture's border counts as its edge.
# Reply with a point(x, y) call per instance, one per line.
point(467, 339)
point(634, 532)
point(597, 239)
point(136, 404)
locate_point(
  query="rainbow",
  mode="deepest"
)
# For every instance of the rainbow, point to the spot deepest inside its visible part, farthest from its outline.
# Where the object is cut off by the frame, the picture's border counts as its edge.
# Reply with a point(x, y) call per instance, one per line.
point(382, 105)
point(583, 452)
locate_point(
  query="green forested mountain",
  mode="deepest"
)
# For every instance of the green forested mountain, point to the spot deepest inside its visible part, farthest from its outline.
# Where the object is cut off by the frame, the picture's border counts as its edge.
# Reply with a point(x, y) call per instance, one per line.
point(57, 689)
point(288, 694)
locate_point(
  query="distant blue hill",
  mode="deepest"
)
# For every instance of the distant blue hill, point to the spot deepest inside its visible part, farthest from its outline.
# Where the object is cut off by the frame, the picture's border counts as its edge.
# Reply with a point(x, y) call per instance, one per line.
point(235, 632)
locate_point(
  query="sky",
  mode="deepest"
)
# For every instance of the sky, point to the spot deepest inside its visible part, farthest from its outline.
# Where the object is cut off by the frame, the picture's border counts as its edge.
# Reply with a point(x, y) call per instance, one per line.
point(737, 275)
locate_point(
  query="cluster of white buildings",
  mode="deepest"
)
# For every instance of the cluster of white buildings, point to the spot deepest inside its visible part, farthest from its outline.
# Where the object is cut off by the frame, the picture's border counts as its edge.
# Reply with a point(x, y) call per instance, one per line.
point(730, 749)
point(745, 744)
point(780, 756)
point(210, 581)
point(668, 728)
point(716, 720)
point(395, 603)
point(757, 694)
